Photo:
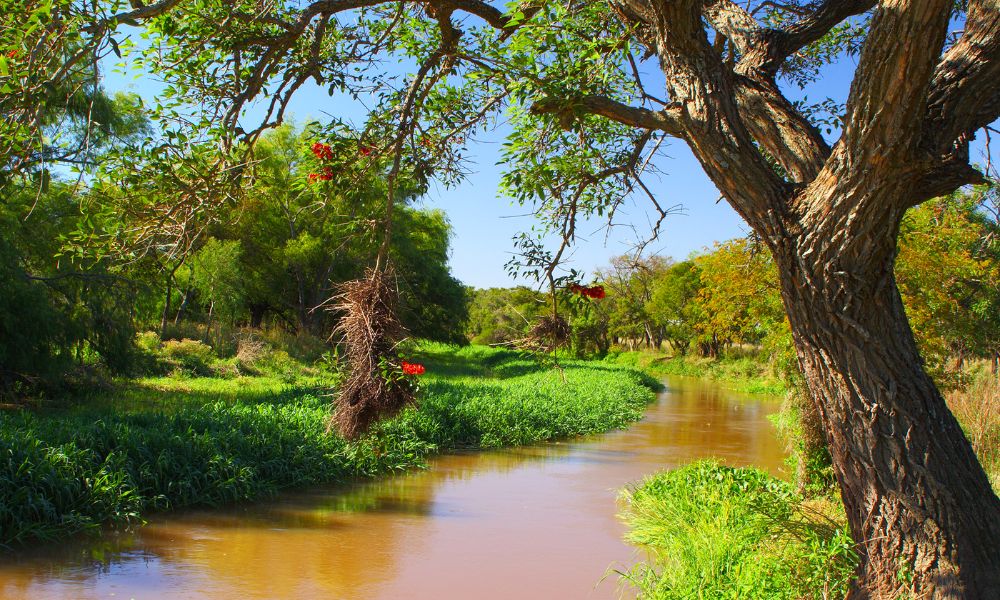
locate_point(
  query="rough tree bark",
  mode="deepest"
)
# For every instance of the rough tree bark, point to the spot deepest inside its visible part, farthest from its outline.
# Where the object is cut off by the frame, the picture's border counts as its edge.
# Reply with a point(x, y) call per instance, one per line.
point(918, 502)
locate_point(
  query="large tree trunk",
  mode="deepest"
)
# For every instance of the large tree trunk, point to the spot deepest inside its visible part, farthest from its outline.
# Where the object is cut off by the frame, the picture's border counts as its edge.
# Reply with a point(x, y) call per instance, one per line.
point(919, 505)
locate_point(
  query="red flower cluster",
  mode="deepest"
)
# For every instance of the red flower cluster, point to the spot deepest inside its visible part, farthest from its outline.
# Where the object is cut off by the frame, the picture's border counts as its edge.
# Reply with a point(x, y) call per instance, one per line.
point(365, 150)
point(326, 175)
point(595, 291)
point(322, 151)
point(413, 368)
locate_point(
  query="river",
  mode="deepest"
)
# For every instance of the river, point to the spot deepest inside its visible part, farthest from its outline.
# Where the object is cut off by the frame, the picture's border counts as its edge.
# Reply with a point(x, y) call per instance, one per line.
point(536, 522)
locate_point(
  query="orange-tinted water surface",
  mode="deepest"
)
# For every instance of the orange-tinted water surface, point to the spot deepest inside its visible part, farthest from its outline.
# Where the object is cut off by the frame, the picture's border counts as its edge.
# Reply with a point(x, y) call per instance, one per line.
point(526, 523)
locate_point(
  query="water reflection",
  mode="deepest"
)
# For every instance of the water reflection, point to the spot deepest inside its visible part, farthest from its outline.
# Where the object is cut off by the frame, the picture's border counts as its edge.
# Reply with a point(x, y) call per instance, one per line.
point(532, 522)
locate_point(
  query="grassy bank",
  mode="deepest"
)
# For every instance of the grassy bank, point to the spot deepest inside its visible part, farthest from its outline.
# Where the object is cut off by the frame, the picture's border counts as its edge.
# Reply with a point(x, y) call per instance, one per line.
point(713, 531)
point(717, 532)
point(165, 443)
point(746, 372)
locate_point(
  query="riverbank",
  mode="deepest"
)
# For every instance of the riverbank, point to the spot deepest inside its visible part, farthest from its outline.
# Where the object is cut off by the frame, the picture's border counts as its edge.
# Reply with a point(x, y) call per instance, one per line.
point(744, 372)
point(167, 443)
point(713, 531)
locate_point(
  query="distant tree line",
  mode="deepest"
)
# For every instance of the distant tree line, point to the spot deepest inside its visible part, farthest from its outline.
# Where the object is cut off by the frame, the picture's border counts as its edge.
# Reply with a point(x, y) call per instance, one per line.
point(948, 269)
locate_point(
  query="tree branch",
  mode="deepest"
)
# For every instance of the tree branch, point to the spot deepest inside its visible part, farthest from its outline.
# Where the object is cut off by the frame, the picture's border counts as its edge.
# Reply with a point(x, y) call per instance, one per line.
point(894, 74)
point(965, 89)
point(704, 90)
point(666, 120)
point(782, 43)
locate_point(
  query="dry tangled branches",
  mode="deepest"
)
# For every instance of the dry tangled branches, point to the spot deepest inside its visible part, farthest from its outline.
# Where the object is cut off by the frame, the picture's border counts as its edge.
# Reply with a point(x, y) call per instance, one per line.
point(549, 333)
point(370, 333)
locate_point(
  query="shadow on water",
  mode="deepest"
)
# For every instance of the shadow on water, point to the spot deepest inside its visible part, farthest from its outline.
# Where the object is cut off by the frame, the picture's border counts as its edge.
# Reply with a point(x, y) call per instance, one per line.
point(533, 522)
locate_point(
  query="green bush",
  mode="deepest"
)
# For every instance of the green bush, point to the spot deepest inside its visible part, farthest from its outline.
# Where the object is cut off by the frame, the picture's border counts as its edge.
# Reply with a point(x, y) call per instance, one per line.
point(191, 356)
point(714, 531)
point(148, 341)
point(301, 346)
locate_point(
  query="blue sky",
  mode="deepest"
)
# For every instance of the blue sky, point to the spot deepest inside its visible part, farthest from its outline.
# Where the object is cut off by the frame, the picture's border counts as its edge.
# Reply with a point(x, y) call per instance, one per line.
point(485, 223)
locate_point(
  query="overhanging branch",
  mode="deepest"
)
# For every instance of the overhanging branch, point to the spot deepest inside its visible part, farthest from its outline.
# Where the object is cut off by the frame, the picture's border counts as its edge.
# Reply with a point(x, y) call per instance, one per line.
point(666, 120)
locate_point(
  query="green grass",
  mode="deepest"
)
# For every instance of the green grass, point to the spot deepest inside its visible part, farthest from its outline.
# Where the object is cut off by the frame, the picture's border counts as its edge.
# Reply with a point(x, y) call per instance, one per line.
point(164, 443)
point(719, 532)
point(745, 373)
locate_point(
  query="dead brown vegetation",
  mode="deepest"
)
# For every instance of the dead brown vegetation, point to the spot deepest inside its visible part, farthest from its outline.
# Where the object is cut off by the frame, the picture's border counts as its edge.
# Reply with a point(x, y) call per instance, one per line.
point(371, 332)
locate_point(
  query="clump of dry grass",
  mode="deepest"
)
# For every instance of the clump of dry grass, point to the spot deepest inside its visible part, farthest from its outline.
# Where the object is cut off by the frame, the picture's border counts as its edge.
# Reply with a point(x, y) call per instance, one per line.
point(548, 333)
point(977, 407)
point(371, 331)
point(249, 351)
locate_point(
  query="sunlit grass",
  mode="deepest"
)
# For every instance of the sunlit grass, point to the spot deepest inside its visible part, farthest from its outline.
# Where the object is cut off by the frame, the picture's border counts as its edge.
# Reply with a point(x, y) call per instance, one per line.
point(713, 531)
point(977, 408)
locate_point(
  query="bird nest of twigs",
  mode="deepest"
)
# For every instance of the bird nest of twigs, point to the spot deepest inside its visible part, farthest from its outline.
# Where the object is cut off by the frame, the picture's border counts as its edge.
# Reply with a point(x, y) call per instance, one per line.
point(371, 332)
point(546, 335)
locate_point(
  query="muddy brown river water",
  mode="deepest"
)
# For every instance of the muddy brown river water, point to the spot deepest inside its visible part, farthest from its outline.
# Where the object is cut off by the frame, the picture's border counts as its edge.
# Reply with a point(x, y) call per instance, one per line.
point(526, 523)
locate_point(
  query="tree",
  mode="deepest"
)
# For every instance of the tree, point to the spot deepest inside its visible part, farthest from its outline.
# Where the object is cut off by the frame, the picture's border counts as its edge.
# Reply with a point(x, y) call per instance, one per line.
point(674, 306)
point(503, 315)
point(629, 280)
point(917, 500)
point(739, 300)
point(57, 307)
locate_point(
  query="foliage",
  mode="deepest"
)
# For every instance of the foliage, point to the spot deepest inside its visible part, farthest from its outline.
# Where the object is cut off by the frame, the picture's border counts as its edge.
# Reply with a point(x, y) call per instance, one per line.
point(713, 531)
point(502, 315)
point(739, 297)
point(191, 356)
point(799, 427)
point(948, 272)
point(56, 311)
point(673, 307)
point(168, 443)
point(742, 371)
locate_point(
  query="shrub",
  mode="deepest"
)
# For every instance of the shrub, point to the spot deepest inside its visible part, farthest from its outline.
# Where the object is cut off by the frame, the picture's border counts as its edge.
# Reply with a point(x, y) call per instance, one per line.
point(148, 341)
point(191, 356)
point(301, 346)
point(249, 351)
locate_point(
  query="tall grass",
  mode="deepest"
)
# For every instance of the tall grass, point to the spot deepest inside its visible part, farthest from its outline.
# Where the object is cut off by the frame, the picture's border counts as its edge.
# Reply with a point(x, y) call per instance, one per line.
point(718, 532)
point(977, 408)
point(211, 441)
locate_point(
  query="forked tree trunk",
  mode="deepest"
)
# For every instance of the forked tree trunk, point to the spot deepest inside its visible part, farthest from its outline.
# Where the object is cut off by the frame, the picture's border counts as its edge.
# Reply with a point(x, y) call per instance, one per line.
point(919, 505)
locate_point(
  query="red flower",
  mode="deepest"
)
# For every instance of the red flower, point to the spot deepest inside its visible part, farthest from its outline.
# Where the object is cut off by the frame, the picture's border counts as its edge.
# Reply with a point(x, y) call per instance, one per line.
point(596, 292)
point(413, 368)
point(313, 177)
point(13, 53)
point(365, 150)
point(322, 151)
